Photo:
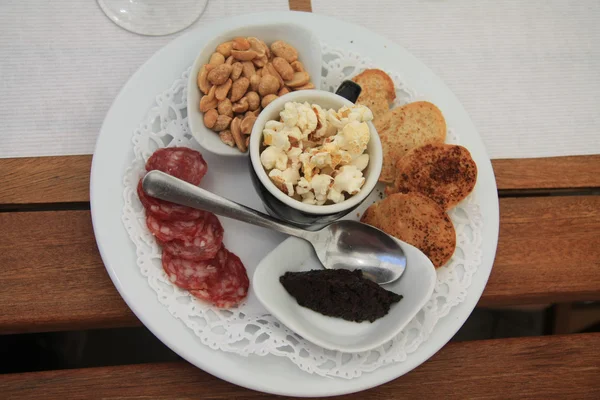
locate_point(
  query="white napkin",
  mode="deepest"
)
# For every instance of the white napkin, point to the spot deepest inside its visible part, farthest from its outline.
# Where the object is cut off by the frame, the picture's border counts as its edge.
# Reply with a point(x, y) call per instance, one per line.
point(527, 71)
point(63, 62)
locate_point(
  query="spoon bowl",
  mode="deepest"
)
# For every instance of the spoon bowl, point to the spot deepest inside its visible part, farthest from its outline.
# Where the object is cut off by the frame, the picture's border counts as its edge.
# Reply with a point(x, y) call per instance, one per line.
point(341, 244)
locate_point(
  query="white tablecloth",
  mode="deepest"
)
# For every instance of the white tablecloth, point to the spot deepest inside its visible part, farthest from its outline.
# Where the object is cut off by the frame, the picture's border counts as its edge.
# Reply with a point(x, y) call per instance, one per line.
point(61, 65)
point(527, 71)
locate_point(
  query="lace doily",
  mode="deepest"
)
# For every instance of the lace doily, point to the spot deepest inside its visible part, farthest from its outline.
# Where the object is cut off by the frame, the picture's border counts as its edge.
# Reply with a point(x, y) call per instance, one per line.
point(251, 330)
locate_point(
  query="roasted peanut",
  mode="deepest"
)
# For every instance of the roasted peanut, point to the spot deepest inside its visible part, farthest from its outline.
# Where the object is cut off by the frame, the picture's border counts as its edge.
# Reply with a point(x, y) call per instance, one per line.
point(230, 60)
point(299, 79)
point(247, 124)
point(222, 90)
point(253, 100)
point(268, 85)
point(241, 106)
point(236, 70)
point(308, 86)
point(210, 118)
point(225, 107)
point(236, 132)
point(207, 103)
point(225, 49)
point(298, 66)
point(240, 43)
point(254, 82)
point(268, 99)
point(216, 59)
point(244, 55)
point(249, 113)
point(260, 61)
point(272, 71)
point(258, 46)
point(222, 123)
point(248, 69)
point(283, 90)
point(284, 50)
point(239, 88)
point(211, 93)
point(219, 74)
point(260, 72)
point(227, 138)
point(202, 80)
point(284, 68)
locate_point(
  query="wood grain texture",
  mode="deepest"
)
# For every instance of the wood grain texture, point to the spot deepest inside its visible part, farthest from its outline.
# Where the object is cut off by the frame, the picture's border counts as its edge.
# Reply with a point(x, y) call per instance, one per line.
point(548, 367)
point(300, 5)
point(53, 277)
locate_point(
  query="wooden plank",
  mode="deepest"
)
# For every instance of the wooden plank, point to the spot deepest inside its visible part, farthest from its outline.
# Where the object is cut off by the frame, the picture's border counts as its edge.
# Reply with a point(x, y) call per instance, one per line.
point(547, 367)
point(53, 277)
point(548, 173)
point(301, 5)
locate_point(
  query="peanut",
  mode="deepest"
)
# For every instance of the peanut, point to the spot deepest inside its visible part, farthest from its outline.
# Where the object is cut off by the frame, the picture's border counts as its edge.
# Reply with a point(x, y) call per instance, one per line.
point(283, 68)
point(260, 61)
point(225, 107)
point(298, 66)
point(222, 90)
point(236, 70)
point(272, 71)
point(248, 69)
point(244, 55)
point(267, 100)
point(217, 59)
point(308, 86)
point(225, 49)
point(227, 138)
point(247, 124)
point(253, 100)
point(229, 60)
point(284, 50)
point(211, 93)
point(202, 81)
point(239, 88)
point(283, 90)
point(254, 82)
point(240, 43)
point(210, 118)
point(299, 79)
point(236, 132)
point(258, 46)
point(268, 85)
point(206, 103)
point(241, 106)
point(219, 74)
point(222, 123)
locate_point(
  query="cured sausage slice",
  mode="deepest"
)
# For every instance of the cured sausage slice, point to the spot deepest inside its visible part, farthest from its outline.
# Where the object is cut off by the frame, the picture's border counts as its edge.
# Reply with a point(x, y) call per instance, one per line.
point(229, 287)
point(189, 274)
point(166, 210)
point(180, 162)
point(204, 245)
point(166, 230)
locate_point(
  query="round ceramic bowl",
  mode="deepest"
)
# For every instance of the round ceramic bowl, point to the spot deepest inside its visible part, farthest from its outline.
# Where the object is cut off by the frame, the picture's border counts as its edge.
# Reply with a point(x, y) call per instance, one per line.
point(279, 204)
point(309, 52)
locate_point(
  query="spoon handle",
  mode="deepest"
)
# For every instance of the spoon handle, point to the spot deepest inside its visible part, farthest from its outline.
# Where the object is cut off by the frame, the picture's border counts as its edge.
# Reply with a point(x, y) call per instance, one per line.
point(166, 187)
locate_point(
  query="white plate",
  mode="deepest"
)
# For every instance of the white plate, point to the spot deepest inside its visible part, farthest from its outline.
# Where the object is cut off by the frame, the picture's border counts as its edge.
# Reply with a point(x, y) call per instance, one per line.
point(416, 286)
point(309, 53)
point(113, 156)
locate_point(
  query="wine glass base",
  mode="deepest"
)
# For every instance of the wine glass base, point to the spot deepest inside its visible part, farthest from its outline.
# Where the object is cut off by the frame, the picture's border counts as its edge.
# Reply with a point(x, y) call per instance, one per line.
point(153, 17)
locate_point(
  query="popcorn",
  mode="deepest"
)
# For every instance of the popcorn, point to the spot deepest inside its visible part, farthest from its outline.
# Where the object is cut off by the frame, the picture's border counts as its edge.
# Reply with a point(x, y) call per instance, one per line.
point(316, 155)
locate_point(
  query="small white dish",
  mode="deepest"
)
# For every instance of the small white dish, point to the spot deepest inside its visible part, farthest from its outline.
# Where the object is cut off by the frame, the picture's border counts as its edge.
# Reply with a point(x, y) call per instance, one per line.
point(326, 100)
point(309, 53)
point(416, 286)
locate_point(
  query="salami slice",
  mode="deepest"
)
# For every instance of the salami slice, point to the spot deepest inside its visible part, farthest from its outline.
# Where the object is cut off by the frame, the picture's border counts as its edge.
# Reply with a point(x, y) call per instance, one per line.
point(189, 274)
point(204, 245)
point(167, 230)
point(229, 287)
point(166, 210)
point(181, 162)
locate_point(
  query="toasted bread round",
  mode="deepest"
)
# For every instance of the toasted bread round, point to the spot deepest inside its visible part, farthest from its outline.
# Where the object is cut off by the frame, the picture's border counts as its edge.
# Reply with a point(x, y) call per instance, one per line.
point(405, 128)
point(378, 91)
point(417, 220)
point(445, 173)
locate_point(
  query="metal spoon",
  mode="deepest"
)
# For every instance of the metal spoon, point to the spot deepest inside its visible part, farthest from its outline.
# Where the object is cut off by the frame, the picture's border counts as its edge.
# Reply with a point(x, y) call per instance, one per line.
point(341, 244)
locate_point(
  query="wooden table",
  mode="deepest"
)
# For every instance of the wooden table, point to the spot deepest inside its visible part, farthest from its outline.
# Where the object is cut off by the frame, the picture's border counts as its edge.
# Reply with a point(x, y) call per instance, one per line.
point(549, 252)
